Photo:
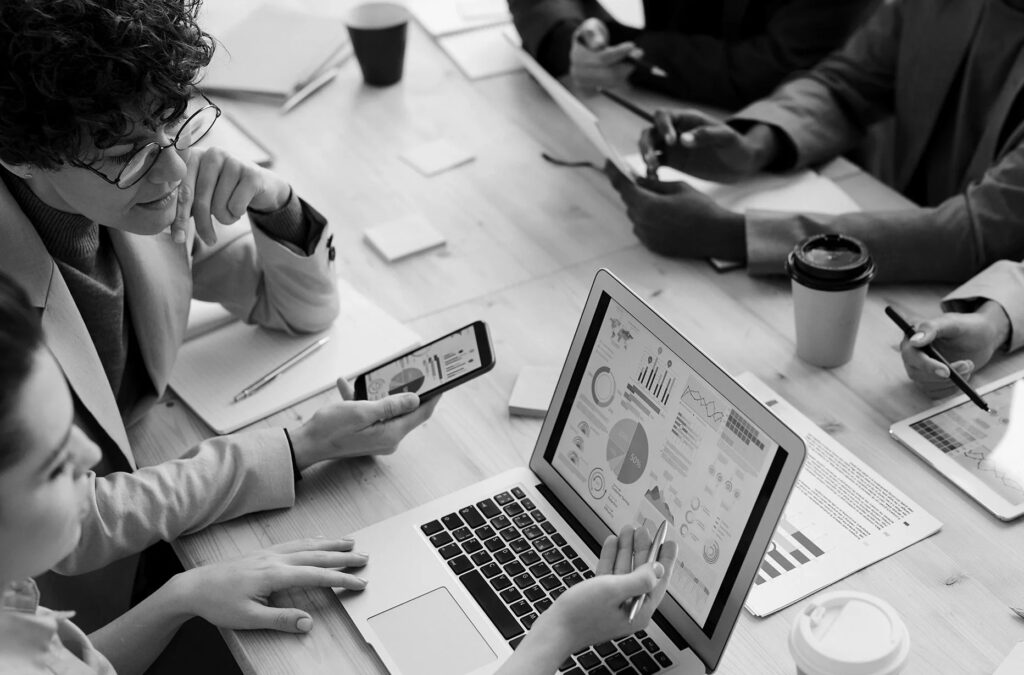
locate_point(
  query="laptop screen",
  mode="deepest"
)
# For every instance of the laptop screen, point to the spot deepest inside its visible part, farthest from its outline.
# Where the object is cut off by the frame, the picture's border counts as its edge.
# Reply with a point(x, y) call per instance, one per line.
point(643, 438)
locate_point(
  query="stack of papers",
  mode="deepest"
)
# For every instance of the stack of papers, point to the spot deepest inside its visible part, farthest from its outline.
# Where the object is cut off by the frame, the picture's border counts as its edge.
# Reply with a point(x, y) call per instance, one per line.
point(841, 517)
point(278, 55)
point(226, 356)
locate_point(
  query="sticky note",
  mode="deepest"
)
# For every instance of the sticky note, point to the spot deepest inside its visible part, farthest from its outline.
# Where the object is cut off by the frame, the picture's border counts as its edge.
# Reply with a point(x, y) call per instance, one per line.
point(532, 392)
point(403, 237)
point(1014, 663)
point(436, 156)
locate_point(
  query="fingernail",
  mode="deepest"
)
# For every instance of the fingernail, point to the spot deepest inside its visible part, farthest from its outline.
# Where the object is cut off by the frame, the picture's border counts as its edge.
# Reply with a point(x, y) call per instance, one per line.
point(364, 556)
point(304, 625)
point(346, 540)
point(179, 237)
point(941, 372)
point(659, 570)
point(360, 583)
point(687, 138)
point(917, 337)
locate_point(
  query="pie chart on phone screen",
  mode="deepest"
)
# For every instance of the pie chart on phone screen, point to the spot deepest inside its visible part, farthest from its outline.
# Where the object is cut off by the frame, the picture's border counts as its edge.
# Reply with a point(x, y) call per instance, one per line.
point(627, 451)
point(410, 379)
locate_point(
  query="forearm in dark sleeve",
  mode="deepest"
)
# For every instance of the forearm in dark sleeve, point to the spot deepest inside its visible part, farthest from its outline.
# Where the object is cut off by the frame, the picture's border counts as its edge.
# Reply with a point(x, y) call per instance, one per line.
point(295, 223)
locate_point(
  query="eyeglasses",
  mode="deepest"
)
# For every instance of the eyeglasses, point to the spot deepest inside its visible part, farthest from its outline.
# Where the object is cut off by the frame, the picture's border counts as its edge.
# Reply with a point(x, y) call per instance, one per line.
point(195, 127)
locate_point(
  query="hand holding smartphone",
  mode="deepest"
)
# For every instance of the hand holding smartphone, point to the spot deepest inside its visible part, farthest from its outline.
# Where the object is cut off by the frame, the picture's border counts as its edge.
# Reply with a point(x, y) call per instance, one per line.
point(433, 368)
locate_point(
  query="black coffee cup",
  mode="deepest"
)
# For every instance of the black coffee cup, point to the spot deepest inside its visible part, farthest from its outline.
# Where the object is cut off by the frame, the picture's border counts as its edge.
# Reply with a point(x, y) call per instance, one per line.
point(830, 274)
point(378, 31)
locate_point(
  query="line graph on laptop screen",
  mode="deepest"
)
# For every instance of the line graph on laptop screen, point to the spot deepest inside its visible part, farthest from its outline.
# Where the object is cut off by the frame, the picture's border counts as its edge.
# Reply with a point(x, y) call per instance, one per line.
point(648, 439)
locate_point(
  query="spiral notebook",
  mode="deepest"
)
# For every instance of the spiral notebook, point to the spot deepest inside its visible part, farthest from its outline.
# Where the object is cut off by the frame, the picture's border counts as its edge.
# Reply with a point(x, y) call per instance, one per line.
point(222, 356)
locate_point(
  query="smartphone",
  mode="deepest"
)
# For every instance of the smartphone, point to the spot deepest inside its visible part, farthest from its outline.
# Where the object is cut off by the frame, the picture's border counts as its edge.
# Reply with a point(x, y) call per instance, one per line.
point(433, 368)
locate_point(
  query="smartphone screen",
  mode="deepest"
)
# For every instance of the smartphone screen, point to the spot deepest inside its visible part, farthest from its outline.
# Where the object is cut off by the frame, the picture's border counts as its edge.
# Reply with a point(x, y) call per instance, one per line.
point(439, 365)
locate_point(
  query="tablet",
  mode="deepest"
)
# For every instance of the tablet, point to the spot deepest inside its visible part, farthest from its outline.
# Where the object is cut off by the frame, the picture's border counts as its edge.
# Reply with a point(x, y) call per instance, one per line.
point(956, 438)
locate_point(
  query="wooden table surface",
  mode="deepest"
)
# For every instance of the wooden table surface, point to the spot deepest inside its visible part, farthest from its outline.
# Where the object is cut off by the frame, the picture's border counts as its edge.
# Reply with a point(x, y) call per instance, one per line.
point(524, 241)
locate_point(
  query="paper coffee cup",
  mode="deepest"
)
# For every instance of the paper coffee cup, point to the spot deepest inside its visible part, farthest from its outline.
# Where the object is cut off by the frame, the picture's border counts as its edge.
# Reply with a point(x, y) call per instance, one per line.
point(830, 275)
point(849, 633)
point(378, 33)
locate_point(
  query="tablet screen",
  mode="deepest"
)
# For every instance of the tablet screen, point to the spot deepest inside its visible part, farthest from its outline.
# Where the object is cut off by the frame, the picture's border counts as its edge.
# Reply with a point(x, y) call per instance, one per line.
point(967, 434)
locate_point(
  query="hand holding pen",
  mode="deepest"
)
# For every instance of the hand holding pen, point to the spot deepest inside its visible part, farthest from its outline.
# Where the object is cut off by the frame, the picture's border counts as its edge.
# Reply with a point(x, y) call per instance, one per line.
point(594, 63)
point(914, 339)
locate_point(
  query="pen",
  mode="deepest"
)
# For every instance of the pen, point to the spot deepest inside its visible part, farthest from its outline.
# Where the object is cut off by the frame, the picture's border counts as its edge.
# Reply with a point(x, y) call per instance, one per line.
point(628, 105)
point(960, 382)
point(659, 539)
point(638, 62)
point(287, 365)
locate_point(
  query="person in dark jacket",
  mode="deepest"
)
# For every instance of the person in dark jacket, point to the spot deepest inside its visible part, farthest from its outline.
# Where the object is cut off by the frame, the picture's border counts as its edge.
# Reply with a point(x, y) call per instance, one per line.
point(725, 53)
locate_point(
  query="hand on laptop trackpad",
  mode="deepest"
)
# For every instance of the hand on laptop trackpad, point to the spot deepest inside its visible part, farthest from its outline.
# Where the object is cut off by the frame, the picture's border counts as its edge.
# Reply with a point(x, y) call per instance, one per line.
point(431, 635)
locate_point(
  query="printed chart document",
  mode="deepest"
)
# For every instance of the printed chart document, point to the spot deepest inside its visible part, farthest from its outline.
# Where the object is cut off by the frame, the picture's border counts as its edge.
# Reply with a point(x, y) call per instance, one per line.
point(229, 355)
point(841, 517)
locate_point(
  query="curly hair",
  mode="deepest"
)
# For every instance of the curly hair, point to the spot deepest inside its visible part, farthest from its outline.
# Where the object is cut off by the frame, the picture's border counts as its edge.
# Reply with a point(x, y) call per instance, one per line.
point(75, 73)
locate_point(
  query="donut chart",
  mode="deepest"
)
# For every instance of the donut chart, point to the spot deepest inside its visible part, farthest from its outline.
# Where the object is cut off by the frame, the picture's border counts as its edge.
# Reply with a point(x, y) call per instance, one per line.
point(410, 379)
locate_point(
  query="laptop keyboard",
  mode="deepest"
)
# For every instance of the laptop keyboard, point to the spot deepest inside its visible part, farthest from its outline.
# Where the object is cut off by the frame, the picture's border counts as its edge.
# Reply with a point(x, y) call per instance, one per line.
point(515, 564)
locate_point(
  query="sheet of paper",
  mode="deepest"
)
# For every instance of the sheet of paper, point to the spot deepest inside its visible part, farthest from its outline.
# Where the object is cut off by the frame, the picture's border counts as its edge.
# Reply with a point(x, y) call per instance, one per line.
point(804, 191)
point(627, 12)
point(482, 53)
point(204, 317)
point(229, 136)
point(532, 392)
point(580, 114)
point(443, 17)
point(436, 156)
point(213, 368)
point(841, 517)
point(1013, 664)
point(403, 237)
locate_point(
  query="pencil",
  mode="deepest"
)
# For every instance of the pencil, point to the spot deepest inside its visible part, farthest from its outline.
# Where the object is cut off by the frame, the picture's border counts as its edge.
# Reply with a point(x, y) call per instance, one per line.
point(629, 105)
point(960, 382)
point(302, 355)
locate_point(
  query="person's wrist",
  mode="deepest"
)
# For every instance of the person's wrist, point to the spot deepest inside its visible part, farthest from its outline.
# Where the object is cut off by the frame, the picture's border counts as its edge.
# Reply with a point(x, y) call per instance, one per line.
point(998, 320)
point(548, 643)
point(303, 447)
point(763, 145)
point(180, 596)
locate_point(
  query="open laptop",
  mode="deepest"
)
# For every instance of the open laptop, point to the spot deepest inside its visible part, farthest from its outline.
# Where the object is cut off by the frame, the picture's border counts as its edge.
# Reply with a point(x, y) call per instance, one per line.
point(642, 427)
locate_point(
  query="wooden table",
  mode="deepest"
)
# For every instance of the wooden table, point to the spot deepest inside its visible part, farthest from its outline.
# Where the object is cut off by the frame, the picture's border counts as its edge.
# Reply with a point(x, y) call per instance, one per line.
point(524, 241)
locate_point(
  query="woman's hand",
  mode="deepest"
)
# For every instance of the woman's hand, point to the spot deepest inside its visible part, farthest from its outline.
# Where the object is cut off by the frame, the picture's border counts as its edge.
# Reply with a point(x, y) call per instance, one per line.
point(358, 428)
point(597, 610)
point(218, 185)
point(236, 593)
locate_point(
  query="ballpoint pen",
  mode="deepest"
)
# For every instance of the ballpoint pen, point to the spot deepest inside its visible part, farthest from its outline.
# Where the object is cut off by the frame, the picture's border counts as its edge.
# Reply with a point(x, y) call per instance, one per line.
point(659, 540)
point(930, 350)
point(638, 62)
point(287, 365)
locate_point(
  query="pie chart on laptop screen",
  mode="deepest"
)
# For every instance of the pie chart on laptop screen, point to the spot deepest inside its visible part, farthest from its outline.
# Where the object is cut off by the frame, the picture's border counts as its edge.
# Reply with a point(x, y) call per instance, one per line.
point(627, 451)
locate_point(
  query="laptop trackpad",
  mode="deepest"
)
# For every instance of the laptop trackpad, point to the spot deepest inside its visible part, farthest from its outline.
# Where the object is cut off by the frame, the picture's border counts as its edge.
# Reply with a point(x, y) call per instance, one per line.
point(431, 635)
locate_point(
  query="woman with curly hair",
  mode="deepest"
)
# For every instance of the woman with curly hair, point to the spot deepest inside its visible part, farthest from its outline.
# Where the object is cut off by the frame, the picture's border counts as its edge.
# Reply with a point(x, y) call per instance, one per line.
point(112, 222)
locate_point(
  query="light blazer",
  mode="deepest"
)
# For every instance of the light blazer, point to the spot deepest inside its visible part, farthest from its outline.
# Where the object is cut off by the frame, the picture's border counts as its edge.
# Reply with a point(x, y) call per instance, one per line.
point(1002, 282)
point(900, 64)
point(255, 277)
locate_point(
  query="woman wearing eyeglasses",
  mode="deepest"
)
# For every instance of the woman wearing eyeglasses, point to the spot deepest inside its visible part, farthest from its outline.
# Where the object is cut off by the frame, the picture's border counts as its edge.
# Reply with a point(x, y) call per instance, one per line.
point(113, 222)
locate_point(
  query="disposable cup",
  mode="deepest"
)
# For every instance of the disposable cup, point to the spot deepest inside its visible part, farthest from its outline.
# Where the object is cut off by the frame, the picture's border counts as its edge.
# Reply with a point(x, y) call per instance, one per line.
point(830, 275)
point(378, 31)
point(849, 633)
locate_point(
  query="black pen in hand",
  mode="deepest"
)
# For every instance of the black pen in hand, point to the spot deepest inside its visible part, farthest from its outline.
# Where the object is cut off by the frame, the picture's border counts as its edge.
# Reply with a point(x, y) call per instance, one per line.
point(930, 350)
point(637, 62)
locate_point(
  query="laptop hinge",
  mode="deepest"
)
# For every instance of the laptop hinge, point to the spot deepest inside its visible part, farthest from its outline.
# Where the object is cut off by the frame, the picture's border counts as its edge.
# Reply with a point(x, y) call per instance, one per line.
point(595, 548)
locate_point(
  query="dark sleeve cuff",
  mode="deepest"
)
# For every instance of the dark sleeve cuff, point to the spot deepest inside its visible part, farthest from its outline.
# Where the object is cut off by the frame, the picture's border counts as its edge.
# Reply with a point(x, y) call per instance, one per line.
point(553, 52)
point(295, 223)
point(296, 474)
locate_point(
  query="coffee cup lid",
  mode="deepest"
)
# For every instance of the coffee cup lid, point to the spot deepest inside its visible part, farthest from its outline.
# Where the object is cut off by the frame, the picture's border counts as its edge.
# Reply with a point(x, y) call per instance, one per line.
point(830, 262)
point(849, 633)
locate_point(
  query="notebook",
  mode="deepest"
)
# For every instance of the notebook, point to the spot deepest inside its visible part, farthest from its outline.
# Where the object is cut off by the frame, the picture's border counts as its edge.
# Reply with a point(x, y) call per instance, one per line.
point(643, 428)
point(222, 356)
point(277, 55)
